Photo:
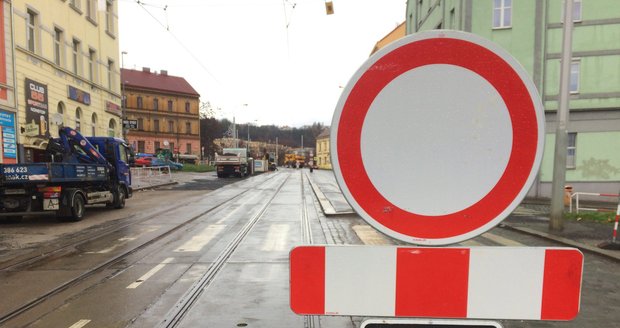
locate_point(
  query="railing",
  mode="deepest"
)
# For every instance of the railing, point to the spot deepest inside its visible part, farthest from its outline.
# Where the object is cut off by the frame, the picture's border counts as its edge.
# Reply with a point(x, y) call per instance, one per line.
point(150, 176)
point(590, 196)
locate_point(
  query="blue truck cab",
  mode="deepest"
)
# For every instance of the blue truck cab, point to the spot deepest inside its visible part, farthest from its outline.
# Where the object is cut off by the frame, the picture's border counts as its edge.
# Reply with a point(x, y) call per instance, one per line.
point(79, 171)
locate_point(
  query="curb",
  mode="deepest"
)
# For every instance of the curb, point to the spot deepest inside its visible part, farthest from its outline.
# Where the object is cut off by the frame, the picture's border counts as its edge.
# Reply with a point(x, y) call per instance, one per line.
point(591, 249)
point(155, 186)
point(326, 206)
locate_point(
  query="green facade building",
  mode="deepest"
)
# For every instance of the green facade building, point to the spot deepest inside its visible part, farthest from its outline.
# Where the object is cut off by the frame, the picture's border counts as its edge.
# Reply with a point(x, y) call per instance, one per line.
point(531, 30)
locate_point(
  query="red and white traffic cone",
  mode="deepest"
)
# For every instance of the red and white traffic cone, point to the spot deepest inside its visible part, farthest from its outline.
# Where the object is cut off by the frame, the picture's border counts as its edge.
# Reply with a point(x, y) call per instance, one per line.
point(613, 244)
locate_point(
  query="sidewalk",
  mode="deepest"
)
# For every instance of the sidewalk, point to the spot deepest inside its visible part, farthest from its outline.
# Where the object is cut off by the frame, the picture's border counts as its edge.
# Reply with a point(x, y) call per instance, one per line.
point(531, 217)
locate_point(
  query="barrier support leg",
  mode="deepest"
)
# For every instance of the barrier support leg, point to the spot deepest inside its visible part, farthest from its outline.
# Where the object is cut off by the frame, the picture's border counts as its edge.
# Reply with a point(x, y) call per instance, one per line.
point(613, 244)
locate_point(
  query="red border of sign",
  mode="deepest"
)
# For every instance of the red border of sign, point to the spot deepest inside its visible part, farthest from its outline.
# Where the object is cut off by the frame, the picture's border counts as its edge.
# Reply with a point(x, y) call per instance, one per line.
point(451, 51)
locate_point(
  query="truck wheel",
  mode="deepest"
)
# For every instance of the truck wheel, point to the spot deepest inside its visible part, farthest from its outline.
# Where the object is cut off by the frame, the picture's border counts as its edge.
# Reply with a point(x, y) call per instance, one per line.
point(119, 197)
point(78, 208)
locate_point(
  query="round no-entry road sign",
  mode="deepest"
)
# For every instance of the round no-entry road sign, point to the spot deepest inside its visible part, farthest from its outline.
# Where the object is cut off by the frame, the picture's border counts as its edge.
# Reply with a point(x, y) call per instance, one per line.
point(437, 137)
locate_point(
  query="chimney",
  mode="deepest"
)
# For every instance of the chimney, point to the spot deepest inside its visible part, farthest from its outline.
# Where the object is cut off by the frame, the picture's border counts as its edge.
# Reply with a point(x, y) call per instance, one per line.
point(146, 69)
point(163, 72)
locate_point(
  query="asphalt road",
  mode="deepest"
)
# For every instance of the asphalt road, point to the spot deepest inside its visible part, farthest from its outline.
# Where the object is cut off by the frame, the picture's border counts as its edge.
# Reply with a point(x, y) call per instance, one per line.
point(229, 240)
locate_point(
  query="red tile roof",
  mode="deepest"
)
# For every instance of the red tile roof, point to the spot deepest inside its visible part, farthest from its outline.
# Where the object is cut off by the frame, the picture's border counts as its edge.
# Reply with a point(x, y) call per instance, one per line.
point(156, 82)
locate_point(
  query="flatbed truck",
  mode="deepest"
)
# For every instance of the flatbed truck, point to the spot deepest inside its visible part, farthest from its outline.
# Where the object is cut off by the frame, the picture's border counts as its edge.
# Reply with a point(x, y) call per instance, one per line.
point(81, 171)
point(233, 161)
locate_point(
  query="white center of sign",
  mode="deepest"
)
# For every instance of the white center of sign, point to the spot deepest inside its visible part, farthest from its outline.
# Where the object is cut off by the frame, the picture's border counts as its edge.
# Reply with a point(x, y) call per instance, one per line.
point(441, 144)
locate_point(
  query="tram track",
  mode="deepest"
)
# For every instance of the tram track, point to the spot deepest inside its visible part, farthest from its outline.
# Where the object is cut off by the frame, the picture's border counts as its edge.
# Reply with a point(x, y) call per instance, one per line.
point(306, 232)
point(70, 248)
point(175, 316)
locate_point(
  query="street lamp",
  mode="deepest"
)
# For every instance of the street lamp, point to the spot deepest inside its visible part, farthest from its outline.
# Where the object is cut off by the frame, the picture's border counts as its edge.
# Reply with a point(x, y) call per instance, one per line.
point(123, 100)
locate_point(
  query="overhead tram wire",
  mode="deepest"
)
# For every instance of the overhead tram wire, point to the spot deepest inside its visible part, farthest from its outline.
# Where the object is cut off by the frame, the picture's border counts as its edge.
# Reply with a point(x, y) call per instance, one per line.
point(143, 5)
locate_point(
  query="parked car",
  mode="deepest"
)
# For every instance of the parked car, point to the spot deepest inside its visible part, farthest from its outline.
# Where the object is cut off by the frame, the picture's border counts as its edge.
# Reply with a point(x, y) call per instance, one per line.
point(144, 161)
point(166, 162)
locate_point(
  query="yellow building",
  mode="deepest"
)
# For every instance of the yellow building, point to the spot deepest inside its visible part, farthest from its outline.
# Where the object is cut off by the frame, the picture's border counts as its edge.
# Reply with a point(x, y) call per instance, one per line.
point(397, 33)
point(67, 70)
point(323, 160)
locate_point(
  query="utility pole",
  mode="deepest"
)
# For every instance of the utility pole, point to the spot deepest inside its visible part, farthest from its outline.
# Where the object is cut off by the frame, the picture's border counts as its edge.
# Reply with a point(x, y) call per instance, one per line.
point(561, 132)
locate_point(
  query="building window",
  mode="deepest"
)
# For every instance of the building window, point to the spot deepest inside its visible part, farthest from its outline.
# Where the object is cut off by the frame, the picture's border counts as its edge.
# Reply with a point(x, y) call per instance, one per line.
point(94, 124)
point(141, 146)
point(170, 105)
point(139, 102)
point(92, 60)
point(91, 10)
point(156, 125)
point(31, 30)
point(78, 118)
point(502, 13)
point(141, 124)
point(76, 4)
point(76, 56)
point(112, 128)
point(188, 148)
point(575, 68)
point(61, 112)
point(188, 127)
point(157, 145)
point(110, 74)
point(187, 106)
point(171, 147)
point(109, 17)
point(155, 104)
point(576, 11)
point(58, 41)
point(171, 126)
point(571, 161)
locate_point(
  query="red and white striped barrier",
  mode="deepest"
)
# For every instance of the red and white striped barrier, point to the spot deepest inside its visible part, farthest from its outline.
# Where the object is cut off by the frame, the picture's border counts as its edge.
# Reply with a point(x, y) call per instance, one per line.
point(615, 235)
point(521, 283)
point(594, 194)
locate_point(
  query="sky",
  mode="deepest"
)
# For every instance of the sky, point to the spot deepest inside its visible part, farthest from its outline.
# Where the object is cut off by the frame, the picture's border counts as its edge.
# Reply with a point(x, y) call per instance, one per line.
point(282, 62)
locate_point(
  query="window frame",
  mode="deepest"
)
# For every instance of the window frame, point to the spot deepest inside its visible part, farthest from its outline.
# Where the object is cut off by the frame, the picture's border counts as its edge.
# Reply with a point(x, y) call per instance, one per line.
point(501, 10)
point(571, 145)
point(58, 45)
point(32, 24)
point(574, 76)
point(92, 64)
point(578, 7)
point(76, 46)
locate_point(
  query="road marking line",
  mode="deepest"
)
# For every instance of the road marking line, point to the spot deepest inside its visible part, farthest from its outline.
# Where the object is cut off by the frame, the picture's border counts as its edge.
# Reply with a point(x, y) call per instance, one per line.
point(199, 241)
point(276, 237)
point(113, 247)
point(80, 323)
point(123, 240)
point(369, 235)
point(501, 240)
point(149, 274)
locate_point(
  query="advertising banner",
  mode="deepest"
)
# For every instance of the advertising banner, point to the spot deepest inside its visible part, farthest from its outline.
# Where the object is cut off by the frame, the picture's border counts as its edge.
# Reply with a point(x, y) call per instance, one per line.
point(8, 144)
point(37, 113)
